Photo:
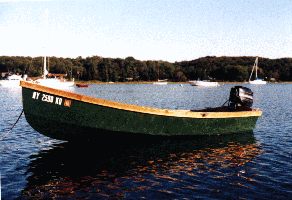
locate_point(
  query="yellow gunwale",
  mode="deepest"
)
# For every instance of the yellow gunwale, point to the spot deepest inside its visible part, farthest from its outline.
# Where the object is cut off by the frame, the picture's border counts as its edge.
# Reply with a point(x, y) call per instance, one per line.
point(140, 109)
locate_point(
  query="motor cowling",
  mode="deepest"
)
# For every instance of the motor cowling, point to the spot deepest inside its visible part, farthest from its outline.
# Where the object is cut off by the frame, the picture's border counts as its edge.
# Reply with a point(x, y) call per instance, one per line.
point(241, 96)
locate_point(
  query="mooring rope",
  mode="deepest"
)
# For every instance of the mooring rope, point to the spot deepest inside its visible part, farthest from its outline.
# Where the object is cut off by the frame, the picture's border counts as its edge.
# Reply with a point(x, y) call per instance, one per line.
point(13, 125)
point(222, 106)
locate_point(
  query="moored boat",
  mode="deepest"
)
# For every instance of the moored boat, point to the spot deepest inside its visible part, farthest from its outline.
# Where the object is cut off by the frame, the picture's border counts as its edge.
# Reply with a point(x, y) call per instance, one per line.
point(159, 82)
point(12, 81)
point(82, 85)
point(203, 83)
point(52, 82)
point(257, 81)
point(67, 116)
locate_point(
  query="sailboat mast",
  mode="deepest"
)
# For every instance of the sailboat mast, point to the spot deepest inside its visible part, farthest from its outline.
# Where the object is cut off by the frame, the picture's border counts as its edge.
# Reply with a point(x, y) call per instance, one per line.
point(48, 63)
point(46, 31)
point(257, 68)
point(251, 72)
point(44, 71)
point(158, 72)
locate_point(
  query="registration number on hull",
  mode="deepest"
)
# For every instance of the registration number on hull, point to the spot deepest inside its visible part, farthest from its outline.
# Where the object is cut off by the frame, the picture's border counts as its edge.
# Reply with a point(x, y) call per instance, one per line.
point(51, 99)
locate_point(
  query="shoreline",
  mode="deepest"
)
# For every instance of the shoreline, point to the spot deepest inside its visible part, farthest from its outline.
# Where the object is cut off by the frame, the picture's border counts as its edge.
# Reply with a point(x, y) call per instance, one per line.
point(140, 82)
point(151, 82)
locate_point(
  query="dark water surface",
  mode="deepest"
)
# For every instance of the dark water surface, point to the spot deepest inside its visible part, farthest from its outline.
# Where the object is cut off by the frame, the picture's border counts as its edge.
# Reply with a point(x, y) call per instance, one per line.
point(254, 165)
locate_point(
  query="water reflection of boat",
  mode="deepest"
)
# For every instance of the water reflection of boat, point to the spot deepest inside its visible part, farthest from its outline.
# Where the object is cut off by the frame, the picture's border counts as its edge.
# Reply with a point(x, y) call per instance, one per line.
point(67, 116)
point(117, 168)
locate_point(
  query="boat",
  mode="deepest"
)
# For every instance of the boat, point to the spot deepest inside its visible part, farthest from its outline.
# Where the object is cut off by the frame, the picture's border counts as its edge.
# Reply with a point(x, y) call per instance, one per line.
point(53, 82)
point(160, 82)
point(69, 116)
point(82, 85)
point(203, 83)
point(257, 80)
point(11, 81)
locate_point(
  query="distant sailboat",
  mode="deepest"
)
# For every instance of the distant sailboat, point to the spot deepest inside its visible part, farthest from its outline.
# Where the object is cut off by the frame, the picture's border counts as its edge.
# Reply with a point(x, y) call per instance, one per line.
point(56, 83)
point(52, 82)
point(206, 83)
point(257, 80)
point(160, 82)
point(203, 83)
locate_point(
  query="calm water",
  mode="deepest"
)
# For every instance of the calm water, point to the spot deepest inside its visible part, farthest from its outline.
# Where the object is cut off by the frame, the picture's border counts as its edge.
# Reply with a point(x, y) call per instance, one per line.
point(254, 165)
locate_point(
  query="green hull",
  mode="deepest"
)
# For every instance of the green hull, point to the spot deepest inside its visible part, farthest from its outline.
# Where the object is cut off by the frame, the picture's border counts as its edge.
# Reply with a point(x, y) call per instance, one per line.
point(66, 119)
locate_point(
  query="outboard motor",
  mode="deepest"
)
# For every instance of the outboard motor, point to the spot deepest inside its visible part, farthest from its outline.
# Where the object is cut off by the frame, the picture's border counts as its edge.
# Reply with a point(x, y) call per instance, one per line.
point(240, 96)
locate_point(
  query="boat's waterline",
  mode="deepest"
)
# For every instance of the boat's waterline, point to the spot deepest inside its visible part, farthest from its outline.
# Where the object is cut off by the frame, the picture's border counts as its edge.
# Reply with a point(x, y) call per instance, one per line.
point(64, 115)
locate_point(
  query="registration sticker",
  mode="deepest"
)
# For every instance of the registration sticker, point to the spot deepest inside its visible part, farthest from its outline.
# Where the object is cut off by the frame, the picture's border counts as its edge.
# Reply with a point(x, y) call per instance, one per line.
point(67, 103)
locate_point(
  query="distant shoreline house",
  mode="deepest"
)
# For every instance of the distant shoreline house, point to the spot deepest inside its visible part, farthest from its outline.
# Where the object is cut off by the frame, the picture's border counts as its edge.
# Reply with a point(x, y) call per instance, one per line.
point(50, 75)
point(4, 75)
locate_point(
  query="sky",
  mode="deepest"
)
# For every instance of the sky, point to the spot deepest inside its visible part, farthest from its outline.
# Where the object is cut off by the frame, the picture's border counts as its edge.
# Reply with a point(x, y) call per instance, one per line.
point(168, 30)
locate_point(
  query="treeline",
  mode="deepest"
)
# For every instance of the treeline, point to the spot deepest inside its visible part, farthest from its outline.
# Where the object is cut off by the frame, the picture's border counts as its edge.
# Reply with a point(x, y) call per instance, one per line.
point(117, 69)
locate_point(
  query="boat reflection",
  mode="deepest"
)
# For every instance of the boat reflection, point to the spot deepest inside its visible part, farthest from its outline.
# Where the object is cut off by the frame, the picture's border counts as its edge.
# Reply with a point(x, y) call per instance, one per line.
point(115, 169)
